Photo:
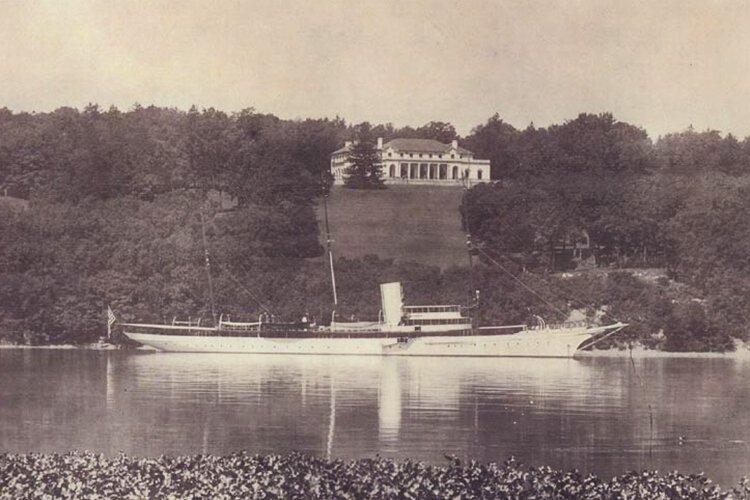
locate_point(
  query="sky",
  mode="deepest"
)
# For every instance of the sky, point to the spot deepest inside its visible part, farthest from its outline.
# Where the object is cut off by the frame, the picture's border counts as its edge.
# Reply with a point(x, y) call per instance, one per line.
point(663, 65)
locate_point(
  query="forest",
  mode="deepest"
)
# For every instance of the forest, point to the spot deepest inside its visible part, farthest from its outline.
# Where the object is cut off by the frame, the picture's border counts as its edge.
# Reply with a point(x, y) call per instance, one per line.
point(118, 201)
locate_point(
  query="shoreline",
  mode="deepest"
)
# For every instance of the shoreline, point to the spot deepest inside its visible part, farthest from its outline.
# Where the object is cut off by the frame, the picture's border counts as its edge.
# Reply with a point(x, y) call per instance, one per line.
point(741, 352)
point(641, 353)
point(74, 347)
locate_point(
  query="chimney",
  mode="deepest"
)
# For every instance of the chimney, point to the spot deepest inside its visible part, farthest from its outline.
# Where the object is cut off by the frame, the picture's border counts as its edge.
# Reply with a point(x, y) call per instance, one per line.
point(454, 144)
point(392, 303)
point(348, 144)
point(380, 143)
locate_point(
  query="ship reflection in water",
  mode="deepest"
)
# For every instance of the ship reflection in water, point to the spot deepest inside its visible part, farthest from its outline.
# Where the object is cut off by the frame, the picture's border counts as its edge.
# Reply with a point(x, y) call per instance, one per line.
point(603, 416)
point(351, 406)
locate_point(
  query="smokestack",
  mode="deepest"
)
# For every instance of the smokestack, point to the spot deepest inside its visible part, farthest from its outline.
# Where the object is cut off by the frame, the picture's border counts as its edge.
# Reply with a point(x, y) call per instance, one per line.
point(380, 143)
point(454, 144)
point(392, 301)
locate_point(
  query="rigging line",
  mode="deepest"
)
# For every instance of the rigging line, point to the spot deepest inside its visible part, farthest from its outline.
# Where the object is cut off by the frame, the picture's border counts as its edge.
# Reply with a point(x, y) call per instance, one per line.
point(571, 296)
point(251, 294)
point(465, 222)
point(228, 273)
point(243, 267)
point(472, 245)
point(208, 267)
point(210, 279)
point(531, 290)
point(266, 309)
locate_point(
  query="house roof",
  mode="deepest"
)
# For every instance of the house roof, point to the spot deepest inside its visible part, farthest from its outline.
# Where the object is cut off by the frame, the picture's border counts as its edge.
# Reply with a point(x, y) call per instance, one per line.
point(415, 146)
point(422, 146)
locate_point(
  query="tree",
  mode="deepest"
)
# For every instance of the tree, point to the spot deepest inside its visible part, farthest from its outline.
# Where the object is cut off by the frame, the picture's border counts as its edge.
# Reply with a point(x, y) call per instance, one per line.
point(688, 329)
point(440, 131)
point(209, 146)
point(497, 141)
point(365, 169)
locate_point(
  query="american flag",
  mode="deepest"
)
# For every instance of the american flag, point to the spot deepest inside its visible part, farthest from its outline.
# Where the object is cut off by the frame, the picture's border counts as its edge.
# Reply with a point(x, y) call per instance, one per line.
point(111, 318)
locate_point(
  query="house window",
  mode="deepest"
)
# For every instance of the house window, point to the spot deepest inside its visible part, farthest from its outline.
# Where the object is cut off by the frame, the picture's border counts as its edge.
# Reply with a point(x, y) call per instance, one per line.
point(455, 173)
point(453, 157)
point(479, 174)
point(393, 171)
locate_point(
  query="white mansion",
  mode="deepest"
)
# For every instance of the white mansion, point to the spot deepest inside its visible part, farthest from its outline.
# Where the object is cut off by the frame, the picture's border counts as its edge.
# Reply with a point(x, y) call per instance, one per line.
point(419, 161)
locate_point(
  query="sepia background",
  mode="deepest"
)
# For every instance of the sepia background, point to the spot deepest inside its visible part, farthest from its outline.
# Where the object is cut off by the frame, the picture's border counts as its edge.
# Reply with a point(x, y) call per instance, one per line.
point(662, 65)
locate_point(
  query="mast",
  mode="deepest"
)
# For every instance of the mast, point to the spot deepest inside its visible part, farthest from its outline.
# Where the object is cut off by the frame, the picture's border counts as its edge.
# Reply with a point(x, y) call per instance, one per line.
point(469, 246)
point(208, 268)
point(330, 253)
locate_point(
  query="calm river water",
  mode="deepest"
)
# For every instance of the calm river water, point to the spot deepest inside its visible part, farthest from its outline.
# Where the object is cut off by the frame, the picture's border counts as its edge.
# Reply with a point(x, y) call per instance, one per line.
point(597, 415)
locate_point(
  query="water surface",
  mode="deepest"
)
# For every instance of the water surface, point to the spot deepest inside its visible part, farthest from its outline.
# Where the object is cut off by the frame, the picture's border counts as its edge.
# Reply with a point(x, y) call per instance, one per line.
point(603, 416)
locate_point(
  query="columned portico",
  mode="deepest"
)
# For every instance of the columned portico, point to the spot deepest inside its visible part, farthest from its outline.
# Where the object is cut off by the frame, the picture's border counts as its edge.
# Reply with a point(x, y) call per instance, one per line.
point(419, 161)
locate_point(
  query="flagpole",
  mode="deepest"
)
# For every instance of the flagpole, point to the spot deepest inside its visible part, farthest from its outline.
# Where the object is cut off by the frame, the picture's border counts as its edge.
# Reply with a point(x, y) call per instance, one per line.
point(110, 321)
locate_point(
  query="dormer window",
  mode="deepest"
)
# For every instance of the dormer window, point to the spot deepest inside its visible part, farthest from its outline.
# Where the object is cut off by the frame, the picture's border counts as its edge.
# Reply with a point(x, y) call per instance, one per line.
point(453, 157)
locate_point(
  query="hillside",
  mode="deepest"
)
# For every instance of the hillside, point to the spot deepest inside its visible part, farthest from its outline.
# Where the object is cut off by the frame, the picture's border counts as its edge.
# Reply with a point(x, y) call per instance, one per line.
point(406, 223)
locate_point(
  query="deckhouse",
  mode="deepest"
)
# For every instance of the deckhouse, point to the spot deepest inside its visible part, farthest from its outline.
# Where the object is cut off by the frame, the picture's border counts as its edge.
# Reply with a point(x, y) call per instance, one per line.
point(419, 161)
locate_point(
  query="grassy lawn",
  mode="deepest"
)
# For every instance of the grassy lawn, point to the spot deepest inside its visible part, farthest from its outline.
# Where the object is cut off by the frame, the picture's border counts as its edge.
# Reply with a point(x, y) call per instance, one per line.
point(407, 223)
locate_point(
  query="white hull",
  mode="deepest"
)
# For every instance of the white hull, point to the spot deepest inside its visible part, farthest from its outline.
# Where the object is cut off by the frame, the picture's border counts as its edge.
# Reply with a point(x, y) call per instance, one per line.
point(559, 343)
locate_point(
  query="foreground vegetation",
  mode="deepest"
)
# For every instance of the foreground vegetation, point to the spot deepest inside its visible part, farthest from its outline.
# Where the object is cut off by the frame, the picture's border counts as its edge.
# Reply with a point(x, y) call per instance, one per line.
point(240, 475)
point(116, 204)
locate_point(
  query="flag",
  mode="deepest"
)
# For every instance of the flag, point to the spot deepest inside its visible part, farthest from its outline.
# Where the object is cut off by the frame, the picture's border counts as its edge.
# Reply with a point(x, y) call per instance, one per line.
point(111, 318)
